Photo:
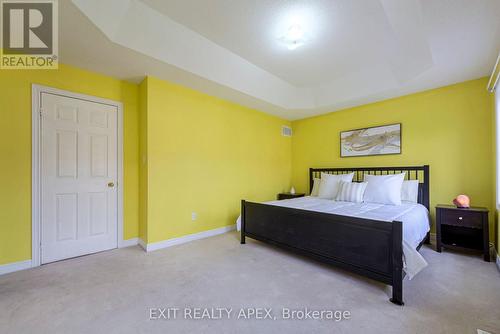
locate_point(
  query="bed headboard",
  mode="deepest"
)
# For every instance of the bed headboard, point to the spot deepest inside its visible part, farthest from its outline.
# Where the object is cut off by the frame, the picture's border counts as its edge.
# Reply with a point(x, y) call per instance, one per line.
point(420, 173)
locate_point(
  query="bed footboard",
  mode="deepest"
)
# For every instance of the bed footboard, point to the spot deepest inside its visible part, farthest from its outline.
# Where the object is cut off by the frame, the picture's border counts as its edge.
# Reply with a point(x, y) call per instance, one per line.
point(367, 247)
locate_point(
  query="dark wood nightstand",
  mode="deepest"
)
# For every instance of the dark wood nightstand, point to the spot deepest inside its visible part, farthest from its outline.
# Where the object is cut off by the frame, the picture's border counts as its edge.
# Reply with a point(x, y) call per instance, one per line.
point(288, 195)
point(462, 228)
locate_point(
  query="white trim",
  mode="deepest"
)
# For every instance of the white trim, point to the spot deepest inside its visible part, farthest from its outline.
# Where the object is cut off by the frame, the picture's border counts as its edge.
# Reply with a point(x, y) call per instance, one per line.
point(15, 266)
point(119, 166)
point(489, 87)
point(187, 238)
point(143, 244)
point(36, 91)
point(35, 175)
point(128, 243)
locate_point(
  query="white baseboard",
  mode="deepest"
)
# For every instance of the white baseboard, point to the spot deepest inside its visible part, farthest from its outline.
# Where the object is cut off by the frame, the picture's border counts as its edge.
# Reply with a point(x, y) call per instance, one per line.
point(15, 266)
point(143, 244)
point(128, 243)
point(21, 265)
point(187, 238)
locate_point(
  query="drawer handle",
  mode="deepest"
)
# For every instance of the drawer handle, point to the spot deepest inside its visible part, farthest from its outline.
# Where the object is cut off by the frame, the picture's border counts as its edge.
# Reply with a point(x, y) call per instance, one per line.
point(460, 218)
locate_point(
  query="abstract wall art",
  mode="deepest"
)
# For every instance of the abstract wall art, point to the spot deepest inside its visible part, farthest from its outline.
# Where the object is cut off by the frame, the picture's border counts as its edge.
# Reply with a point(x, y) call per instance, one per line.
point(378, 140)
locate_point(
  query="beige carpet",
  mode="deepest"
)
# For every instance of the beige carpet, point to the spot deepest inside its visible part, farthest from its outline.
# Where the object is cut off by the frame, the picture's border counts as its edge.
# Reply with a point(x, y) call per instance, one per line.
point(112, 292)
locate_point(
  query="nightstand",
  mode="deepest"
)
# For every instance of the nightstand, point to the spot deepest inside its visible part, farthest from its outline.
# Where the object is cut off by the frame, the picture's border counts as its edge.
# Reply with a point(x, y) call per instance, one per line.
point(462, 228)
point(288, 195)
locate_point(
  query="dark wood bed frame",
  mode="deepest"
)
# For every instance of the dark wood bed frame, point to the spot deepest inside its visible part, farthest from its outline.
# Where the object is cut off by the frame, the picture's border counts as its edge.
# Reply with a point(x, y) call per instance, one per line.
point(371, 248)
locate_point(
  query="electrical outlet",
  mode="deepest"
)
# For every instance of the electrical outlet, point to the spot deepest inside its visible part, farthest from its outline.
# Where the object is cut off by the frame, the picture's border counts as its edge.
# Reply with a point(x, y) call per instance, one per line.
point(194, 216)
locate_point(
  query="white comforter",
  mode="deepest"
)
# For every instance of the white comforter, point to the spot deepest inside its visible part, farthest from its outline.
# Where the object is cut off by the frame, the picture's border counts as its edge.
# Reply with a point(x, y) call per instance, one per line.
point(415, 218)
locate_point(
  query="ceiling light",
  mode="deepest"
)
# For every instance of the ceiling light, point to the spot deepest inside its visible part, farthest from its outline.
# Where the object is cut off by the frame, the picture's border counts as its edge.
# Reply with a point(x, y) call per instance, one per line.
point(293, 45)
point(294, 37)
point(295, 32)
point(296, 25)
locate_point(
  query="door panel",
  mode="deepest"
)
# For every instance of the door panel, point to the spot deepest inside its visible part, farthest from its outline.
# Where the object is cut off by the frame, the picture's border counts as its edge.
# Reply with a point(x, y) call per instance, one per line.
point(98, 213)
point(99, 155)
point(66, 154)
point(66, 216)
point(78, 159)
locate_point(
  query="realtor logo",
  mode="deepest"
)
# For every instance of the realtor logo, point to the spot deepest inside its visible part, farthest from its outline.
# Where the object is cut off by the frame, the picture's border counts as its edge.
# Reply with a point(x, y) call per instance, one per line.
point(29, 34)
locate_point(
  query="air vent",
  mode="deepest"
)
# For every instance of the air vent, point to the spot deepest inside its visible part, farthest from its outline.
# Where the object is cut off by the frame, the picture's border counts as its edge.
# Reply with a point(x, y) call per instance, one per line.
point(286, 131)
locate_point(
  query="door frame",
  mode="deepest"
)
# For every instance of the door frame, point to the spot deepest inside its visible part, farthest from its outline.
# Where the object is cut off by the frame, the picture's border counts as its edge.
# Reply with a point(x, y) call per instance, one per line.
point(36, 112)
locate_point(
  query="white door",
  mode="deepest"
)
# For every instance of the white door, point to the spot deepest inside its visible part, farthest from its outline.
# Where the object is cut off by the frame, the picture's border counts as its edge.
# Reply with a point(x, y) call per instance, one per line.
point(78, 177)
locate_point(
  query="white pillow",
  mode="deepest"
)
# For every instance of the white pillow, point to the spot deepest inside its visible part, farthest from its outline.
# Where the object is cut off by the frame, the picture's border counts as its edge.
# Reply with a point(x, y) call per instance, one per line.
point(384, 189)
point(329, 185)
point(351, 191)
point(409, 191)
point(315, 189)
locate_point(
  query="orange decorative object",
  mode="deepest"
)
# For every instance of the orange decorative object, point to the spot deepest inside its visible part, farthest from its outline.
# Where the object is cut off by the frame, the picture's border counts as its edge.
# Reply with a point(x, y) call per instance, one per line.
point(462, 201)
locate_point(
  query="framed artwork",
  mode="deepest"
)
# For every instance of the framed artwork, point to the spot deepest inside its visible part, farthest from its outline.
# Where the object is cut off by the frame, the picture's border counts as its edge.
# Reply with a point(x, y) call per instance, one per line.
point(377, 140)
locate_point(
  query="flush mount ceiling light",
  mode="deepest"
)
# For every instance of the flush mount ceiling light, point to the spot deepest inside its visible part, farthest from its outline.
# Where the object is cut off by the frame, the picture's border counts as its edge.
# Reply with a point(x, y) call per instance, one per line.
point(294, 37)
point(297, 24)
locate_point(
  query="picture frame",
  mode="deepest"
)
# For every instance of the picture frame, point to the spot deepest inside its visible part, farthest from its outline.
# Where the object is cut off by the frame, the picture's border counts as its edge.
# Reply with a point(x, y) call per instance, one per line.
point(371, 141)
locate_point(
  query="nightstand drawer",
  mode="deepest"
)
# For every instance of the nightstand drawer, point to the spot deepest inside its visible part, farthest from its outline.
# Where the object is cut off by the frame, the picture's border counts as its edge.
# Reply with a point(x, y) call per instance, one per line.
point(462, 218)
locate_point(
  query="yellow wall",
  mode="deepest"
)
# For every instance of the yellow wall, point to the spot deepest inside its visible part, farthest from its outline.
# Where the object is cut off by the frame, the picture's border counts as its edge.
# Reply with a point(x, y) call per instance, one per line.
point(15, 148)
point(448, 128)
point(189, 152)
point(183, 152)
point(204, 155)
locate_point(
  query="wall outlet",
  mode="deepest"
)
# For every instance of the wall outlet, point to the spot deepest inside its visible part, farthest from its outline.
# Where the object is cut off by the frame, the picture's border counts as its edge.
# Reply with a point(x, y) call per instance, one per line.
point(194, 216)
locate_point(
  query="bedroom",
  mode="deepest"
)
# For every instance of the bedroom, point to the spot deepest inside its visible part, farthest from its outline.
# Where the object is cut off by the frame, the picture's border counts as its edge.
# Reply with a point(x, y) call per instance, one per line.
point(158, 140)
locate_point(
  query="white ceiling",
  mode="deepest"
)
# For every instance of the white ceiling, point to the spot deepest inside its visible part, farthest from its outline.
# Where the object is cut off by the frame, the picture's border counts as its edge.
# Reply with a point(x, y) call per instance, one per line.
point(358, 51)
point(344, 35)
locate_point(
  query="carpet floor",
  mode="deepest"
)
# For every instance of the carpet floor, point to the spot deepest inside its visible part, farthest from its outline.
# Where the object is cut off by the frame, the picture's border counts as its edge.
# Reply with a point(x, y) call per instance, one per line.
point(114, 292)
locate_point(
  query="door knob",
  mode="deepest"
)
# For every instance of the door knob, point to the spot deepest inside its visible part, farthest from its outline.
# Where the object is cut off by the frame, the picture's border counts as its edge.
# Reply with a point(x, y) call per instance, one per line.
point(111, 184)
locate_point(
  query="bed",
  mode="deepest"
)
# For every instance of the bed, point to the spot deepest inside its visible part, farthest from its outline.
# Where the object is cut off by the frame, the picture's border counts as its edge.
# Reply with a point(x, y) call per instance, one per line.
point(363, 238)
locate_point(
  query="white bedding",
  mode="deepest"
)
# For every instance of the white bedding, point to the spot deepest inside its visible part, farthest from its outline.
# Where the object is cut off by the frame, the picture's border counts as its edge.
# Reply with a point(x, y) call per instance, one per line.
point(415, 218)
